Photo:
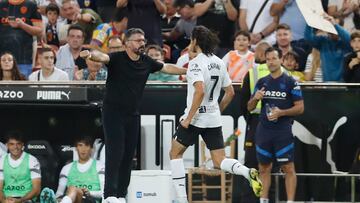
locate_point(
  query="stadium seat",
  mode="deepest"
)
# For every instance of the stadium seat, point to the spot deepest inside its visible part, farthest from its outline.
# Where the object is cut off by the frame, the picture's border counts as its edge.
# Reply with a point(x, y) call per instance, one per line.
point(43, 151)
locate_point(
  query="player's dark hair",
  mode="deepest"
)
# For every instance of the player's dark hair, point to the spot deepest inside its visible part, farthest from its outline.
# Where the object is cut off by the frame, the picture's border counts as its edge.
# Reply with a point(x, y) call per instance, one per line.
point(205, 39)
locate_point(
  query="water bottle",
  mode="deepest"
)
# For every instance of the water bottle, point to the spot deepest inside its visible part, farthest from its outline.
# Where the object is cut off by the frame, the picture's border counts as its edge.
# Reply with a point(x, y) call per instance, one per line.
point(268, 109)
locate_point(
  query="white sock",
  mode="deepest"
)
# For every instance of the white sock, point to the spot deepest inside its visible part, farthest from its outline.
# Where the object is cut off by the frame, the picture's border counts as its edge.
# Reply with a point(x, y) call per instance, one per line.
point(122, 200)
point(264, 200)
point(112, 199)
point(66, 199)
point(178, 175)
point(235, 167)
point(290, 201)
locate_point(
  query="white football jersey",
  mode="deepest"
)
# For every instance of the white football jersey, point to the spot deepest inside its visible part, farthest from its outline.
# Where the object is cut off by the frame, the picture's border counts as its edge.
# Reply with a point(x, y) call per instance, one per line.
point(212, 71)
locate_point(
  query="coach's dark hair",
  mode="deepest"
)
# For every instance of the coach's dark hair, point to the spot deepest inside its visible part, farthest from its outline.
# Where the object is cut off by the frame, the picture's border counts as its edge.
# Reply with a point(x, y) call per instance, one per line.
point(14, 135)
point(205, 39)
point(133, 31)
point(271, 49)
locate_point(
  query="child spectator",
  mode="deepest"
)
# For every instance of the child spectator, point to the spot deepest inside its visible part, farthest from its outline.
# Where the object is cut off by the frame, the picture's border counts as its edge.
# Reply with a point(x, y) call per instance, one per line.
point(290, 61)
point(352, 60)
point(9, 68)
point(156, 53)
point(240, 60)
point(52, 27)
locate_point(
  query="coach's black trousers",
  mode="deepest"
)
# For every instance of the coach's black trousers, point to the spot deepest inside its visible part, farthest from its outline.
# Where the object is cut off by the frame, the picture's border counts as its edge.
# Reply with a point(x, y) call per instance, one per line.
point(121, 137)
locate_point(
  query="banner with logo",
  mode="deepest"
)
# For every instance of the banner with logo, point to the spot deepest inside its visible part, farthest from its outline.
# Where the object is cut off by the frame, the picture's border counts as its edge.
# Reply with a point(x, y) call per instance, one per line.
point(327, 134)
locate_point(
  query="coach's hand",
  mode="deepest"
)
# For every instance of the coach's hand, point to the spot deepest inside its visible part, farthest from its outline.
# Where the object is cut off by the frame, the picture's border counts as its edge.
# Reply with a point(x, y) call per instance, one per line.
point(185, 123)
point(260, 94)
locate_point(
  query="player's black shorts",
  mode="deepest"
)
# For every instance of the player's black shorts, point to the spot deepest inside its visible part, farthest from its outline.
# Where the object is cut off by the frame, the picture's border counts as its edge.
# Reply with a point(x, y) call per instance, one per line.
point(212, 137)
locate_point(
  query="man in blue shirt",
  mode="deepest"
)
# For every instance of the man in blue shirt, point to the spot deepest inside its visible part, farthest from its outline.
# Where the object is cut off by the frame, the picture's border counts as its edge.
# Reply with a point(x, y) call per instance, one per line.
point(281, 99)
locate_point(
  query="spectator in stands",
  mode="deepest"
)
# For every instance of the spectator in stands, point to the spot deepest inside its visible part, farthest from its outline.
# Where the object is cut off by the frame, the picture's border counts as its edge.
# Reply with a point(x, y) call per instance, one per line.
point(259, 53)
point(88, 4)
point(313, 70)
point(9, 68)
point(86, 18)
point(332, 49)
point(289, 13)
point(185, 25)
point(20, 174)
point(146, 14)
point(290, 62)
point(47, 69)
point(106, 8)
point(52, 27)
point(344, 10)
point(170, 18)
point(94, 71)
point(17, 29)
point(42, 4)
point(83, 180)
point(240, 60)
point(115, 44)
point(68, 56)
point(283, 42)
point(219, 16)
point(156, 53)
point(255, 18)
point(352, 60)
point(117, 27)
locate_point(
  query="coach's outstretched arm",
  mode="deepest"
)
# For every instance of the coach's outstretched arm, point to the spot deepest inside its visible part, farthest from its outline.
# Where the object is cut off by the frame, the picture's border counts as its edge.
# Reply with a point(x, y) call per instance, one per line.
point(173, 69)
point(95, 55)
point(227, 98)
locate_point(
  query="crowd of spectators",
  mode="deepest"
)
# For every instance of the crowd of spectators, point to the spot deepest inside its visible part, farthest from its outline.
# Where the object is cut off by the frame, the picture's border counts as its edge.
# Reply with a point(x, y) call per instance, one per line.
point(29, 28)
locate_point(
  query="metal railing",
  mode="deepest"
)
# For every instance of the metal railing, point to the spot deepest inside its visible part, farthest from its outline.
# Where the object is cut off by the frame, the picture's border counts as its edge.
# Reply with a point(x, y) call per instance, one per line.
point(352, 182)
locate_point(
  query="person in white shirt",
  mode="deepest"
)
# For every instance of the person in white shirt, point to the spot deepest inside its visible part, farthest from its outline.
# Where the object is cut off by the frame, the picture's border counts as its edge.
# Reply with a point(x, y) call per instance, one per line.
point(48, 70)
point(80, 179)
point(206, 76)
point(20, 174)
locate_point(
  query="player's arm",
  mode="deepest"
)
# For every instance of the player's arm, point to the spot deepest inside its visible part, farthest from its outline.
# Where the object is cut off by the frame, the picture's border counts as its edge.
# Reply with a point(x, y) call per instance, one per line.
point(259, 94)
point(196, 102)
point(173, 69)
point(297, 109)
point(95, 56)
point(227, 98)
point(36, 187)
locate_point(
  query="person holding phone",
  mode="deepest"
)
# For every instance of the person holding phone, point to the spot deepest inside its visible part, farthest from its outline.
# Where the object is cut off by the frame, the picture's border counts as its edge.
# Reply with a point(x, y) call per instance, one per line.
point(23, 21)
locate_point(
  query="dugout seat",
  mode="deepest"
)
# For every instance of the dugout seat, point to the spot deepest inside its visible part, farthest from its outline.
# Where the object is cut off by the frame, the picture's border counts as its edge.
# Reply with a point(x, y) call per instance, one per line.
point(43, 151)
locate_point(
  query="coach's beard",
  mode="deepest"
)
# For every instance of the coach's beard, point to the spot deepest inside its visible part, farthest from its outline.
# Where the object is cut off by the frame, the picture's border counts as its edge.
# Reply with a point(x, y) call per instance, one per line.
point(140, 50)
